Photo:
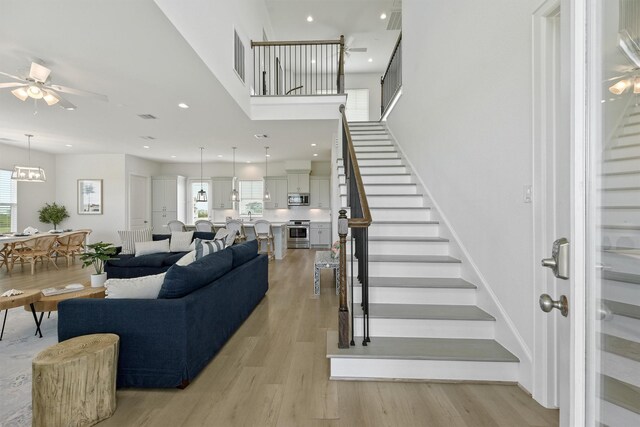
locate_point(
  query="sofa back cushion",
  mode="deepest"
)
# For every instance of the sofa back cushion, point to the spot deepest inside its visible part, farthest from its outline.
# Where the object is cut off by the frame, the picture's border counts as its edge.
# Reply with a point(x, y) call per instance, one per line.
point(148, 248)
point(244, 252)
point(182, 280)
point(181, 241)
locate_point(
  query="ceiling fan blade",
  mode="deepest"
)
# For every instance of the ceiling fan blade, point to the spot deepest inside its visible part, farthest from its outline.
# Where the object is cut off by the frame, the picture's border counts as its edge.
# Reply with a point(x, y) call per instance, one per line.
point(13, 77)
point(13, 84)
point(349, 41)
point(72, 91)
point(39, 73)
point(62, 101)
point(358, 49)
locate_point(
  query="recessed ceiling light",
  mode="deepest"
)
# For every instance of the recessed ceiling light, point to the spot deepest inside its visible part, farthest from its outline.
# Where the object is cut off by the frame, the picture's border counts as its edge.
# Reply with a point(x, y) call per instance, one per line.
point(383, 15)
point(313, 61)
point(268, 155)
point(173, 157)
point(70, 108)
point(183, 105)
point(314, 144)
point(68, 145)
point(315, 154)
point(309, 18)
point(370, 60)
point(219, 155)
point(248, 161)
point(145, 146)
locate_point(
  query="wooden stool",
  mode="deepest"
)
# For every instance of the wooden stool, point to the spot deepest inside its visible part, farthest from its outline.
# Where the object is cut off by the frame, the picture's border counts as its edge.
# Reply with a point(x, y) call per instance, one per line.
point(264, 233)
point(74, 382)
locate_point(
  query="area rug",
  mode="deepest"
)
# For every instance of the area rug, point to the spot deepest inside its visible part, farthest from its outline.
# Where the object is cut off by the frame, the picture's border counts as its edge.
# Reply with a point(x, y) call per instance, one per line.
point(17, 349)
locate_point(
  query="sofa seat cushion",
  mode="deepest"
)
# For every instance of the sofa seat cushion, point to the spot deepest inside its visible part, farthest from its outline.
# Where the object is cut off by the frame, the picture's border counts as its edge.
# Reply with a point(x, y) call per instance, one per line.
point(244, 252)
point(182, 280)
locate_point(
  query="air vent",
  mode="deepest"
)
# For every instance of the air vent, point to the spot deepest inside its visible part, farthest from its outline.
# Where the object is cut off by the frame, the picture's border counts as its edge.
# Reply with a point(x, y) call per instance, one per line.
point(147, 116)
point(148, 137)
point(395, 20)
point(261, 136)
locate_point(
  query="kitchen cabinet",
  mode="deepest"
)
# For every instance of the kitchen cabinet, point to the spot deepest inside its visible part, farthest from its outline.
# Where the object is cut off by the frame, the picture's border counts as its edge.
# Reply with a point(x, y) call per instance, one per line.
point(221, 193)
point(320, 234)
point(298, 183)
point(319, 195)
point(277, 187)
point(168, 201)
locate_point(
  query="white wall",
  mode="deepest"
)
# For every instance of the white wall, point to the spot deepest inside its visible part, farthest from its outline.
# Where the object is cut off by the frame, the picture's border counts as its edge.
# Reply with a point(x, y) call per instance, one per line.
point(369, 81)
point(142, 167)
point(111, 169)
point(464, 120)
point(208, 27)
point(32, 195)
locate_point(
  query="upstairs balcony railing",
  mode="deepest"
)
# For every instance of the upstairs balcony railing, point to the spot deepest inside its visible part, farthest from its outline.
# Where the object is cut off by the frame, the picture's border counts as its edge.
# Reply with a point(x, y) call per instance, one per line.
point(358, 223)
point(313, 67)
point(391, 81)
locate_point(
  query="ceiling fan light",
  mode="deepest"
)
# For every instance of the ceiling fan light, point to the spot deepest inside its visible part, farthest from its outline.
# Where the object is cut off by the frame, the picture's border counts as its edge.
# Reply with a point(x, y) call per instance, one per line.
point(620, 87)
point(20, 93)
point(50, 99)
point(35, 92)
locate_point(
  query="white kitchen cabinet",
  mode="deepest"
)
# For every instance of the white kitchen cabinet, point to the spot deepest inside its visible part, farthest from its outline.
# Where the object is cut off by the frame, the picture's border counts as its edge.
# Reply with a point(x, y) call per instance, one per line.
point(221, 193)
point(298, 183)
point(277, 187)
point(320, 234)
point(168, 201)
point(319, 196)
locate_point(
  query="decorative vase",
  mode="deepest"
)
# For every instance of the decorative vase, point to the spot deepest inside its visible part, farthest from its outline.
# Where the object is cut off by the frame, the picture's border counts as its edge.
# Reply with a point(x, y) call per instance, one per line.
point(97, 280)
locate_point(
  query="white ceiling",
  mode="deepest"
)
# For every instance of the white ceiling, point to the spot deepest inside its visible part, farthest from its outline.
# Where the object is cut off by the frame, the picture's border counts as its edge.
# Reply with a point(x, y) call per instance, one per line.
point(101, 46)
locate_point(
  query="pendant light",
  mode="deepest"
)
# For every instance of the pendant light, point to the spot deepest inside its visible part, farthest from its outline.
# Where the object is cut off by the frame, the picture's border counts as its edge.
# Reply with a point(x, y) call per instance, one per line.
point(28, 173)
point(267, 195)
point(202, 195)
point(234, 196)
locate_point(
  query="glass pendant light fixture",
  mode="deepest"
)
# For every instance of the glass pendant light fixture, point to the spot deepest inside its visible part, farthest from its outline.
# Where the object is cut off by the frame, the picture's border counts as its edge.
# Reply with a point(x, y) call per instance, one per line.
point(28, 173)
point(267, 195)
point(234, 196)
point(201, 196)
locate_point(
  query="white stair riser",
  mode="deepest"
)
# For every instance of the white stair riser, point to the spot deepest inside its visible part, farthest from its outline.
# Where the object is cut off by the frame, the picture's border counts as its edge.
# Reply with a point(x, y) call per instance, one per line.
point(384, 189)
point(403, 229)
point(379, 201)
point(393, 295)
point(621, 216)
point(368, 128)
point(372, 141)
point(427, 328)
point(616, 181)
point(412, 269)
point(621, 291)
point(623, 327)
point(382, 179)
point(406, 248)
point(624, 151)
point(620, 368)
point(626, 138)
point(621, 198)
point(370, 136)
point(365, 149)
point(376, 170)
point(613, 415)
point(422, 369)
point(627, 165)
point(620, 238)
point(379, 162)
point(631, 125)
point(376, 154)
point(617, 262)
point(401, 214)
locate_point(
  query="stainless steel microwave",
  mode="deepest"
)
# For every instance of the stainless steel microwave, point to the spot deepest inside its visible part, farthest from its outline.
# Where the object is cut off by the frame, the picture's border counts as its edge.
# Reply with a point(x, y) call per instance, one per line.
point(298, 199)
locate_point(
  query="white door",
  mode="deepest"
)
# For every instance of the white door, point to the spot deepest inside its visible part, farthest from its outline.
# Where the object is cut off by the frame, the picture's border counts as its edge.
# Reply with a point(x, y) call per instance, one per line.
point(138, 202)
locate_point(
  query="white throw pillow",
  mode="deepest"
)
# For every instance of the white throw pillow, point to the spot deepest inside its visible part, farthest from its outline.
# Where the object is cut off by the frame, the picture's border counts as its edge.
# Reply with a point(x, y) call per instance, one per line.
point(146, 287)
point(206, 247)
point(130, 237)
point(146, 248)
point(181, 241)
point(187, 259)
point(221, 234)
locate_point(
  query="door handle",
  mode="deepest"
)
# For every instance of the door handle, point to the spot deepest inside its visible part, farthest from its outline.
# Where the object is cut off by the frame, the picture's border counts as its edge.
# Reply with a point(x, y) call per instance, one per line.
point(547, 304)
point(559, 261)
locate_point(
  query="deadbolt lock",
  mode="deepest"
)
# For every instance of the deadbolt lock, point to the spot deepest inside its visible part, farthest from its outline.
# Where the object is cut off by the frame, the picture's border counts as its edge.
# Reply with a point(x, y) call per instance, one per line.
point(559, 261)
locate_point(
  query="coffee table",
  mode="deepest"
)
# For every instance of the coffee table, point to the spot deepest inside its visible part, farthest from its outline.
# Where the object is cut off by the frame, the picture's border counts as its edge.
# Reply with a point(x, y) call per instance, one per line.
point(26, 299)
point(50, 303)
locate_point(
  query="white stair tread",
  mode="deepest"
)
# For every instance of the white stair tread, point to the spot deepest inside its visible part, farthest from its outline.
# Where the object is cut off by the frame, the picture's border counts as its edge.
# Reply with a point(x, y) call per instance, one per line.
point(480, 350)
point(414, 258)
point(425, 311)
point(400, 207)
point(619, 393)
point(406, 239)
point(621, 277)
point(620, 346)
point(404, 222)
point(419, 282)
point(617, 308)
point(381, 174)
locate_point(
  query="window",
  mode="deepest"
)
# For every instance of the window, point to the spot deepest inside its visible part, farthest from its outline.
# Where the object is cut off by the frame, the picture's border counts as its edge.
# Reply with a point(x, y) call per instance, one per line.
point(199, 210)
point(251, 193)
point(357, 109)
point(238, 55)
point(8, 203)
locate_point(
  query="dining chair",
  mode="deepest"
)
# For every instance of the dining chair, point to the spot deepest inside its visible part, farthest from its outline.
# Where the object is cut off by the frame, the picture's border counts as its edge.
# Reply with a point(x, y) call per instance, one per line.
point(204, 225)
point(39, 247)
point(176, 225)
point(264, 233)
point(70, 245)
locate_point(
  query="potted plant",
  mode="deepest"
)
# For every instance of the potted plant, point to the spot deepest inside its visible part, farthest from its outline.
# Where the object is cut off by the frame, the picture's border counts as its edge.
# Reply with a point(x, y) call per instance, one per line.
point(53, 214)
point(97, 255)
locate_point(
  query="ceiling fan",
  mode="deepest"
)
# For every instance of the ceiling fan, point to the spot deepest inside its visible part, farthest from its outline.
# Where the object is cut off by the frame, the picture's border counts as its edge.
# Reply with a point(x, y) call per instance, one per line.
point(37, 85)
point(348, 47)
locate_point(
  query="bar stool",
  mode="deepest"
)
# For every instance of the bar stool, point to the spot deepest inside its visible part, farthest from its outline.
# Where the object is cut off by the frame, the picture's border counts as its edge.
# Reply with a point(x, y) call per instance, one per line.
point(204, 225)
point(176, 225)
point(264, 233)
point(236, 228)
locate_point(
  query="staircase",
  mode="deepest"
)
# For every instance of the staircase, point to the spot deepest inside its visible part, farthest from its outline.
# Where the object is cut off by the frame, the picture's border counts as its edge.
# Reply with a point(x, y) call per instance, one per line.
point(424, 322)
point(620, 328)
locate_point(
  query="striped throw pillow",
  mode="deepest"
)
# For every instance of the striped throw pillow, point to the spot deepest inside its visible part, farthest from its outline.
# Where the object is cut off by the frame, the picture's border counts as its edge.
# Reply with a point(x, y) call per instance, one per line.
point(129, 238)
point(206, 247)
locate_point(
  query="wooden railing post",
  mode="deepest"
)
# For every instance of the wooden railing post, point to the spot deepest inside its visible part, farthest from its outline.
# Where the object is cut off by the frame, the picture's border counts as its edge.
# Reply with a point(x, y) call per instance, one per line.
point(341, 66)
point(343, 313)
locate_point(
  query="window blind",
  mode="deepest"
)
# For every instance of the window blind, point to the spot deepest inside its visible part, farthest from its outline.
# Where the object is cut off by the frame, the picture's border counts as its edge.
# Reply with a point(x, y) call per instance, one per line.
point(8, 202)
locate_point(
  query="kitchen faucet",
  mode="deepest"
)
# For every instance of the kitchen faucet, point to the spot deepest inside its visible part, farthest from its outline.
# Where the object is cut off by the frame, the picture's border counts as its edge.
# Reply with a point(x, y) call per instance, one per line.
point(250, 216)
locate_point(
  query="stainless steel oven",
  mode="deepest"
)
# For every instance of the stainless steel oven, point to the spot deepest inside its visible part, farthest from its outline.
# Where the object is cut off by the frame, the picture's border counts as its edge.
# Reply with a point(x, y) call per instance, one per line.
point(298, 234)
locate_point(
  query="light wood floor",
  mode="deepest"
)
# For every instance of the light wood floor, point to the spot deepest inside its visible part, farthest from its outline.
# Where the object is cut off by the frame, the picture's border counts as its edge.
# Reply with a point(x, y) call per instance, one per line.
point(273, 372)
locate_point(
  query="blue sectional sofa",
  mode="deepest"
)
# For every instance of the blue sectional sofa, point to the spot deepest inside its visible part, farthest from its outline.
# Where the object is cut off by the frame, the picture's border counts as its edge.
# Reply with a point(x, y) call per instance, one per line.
point(166, 342)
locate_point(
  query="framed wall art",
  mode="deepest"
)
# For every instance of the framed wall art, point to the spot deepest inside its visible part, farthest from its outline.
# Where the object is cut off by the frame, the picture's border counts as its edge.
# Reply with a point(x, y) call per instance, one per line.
point(90, 197)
